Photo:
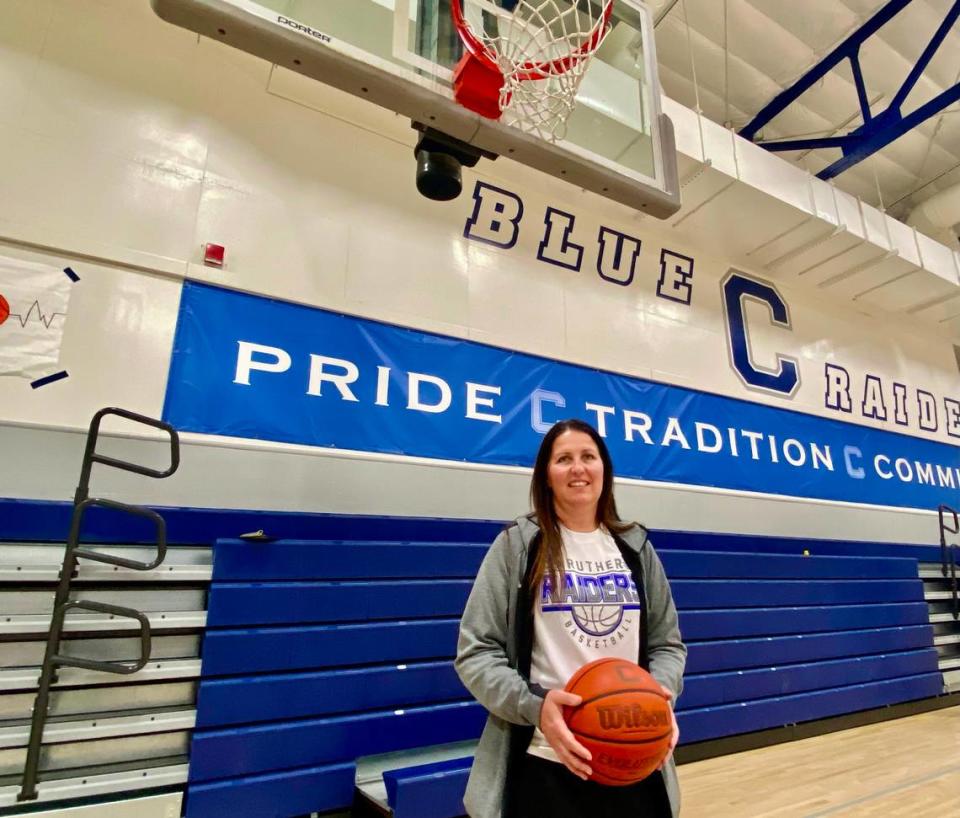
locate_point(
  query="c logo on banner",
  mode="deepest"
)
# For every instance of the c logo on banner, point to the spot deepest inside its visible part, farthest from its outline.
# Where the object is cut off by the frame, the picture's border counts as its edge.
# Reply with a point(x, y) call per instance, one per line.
point(4, 309)
point(785, 377)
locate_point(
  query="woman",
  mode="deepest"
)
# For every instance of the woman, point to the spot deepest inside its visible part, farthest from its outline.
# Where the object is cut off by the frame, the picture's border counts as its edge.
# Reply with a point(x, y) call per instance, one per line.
point(521, 640)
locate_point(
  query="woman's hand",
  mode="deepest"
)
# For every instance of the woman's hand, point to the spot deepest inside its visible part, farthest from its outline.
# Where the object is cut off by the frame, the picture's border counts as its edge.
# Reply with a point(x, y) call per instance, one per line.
point(676, 728)
point(570, 751)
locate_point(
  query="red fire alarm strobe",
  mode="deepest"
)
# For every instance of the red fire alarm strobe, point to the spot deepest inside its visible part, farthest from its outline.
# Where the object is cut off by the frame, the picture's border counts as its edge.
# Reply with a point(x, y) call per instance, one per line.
point(213, 255)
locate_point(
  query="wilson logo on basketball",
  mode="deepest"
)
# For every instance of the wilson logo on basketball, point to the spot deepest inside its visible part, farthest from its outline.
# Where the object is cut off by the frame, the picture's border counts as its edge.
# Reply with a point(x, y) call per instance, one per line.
point(624, 720)
point(630, 717)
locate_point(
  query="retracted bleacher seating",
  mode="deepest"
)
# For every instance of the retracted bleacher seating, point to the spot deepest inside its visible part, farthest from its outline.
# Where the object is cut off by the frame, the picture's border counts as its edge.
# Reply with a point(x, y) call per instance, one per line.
point(777, 639)
point(320, 653)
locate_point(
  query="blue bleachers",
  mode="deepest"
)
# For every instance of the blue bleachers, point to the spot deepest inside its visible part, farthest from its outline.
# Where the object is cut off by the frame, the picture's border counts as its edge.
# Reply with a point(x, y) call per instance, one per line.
point(321, 652)
point(278, 696)
point(776, 639)
point(429, 790)
point(261, 650)
point(738, 686)
point(685, 564)
point(288, 792)
point(318, 653)
point(277, 746)
point(341, 560)
point(727, 593)
point(729, 654)
point(729, 719)
point(338, 642)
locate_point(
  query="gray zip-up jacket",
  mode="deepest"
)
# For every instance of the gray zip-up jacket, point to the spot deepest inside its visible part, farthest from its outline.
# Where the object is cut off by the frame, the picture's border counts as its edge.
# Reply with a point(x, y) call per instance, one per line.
point(488, 657)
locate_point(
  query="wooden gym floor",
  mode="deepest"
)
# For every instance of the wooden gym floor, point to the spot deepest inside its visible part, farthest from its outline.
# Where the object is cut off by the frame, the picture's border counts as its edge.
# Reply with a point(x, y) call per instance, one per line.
point(906, 767)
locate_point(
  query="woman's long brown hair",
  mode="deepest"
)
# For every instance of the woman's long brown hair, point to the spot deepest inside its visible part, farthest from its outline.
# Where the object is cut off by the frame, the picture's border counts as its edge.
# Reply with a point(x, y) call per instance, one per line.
point(549, 561)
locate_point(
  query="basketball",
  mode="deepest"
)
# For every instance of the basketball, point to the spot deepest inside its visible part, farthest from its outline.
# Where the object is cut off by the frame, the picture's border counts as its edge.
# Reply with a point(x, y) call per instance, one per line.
point(624, 720)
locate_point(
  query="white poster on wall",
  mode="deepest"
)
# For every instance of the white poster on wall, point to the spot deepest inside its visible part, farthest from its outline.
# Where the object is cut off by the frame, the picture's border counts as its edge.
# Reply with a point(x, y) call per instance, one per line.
point(34, 299)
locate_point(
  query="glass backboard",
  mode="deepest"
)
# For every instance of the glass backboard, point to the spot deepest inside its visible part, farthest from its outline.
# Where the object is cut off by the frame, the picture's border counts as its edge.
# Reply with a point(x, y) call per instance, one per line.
point(400, 54)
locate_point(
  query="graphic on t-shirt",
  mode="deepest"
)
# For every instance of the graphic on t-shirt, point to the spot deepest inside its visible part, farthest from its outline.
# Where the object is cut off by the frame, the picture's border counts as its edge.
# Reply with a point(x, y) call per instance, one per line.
point(596, 601)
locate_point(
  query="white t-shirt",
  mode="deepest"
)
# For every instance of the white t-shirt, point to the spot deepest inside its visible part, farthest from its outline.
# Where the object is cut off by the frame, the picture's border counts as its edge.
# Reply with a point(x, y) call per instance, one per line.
point(596, 615)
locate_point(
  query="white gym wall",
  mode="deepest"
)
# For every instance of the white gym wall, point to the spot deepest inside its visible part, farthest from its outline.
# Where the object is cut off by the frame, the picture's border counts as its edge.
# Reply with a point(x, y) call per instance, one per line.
point(126, 144)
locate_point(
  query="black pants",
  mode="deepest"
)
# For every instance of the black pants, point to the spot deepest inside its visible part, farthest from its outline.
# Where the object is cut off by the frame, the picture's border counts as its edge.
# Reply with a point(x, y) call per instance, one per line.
point(546, 789)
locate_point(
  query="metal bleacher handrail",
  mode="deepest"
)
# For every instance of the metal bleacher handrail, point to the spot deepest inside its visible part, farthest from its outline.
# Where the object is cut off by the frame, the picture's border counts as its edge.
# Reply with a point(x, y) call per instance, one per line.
point(53, 659)
point(948, 555)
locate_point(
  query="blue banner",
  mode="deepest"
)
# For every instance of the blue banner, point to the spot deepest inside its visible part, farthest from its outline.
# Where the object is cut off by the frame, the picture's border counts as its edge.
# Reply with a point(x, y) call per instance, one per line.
point(252, 367)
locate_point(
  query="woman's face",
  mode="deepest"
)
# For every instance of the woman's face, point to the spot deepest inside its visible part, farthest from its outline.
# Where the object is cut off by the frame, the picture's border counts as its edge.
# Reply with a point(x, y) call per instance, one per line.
point(575, 474)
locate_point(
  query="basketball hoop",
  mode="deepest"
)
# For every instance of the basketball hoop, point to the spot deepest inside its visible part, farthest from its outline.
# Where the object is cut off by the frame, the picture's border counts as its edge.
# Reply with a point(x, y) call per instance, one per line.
point(524, 59)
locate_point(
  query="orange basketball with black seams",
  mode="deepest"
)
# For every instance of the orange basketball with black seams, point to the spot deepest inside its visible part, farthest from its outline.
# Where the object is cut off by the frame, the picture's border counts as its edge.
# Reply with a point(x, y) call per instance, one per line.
point(623, 720)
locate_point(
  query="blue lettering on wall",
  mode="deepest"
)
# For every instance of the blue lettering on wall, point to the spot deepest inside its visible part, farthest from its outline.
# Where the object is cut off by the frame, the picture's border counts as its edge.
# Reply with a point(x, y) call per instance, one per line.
point(837, 394)
point(676, 276)
point(784, 378)
point(496, 219)
point(873, 405)
point(496, 216)
point(927, 410)
point(617, 259)
point(557, 247)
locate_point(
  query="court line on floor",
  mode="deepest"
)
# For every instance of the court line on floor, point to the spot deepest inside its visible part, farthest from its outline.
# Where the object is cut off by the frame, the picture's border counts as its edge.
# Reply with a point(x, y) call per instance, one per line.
point(888, 791)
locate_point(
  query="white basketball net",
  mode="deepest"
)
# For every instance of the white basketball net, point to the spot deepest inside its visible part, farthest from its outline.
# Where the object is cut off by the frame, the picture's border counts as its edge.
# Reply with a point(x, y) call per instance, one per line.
point(543, 49)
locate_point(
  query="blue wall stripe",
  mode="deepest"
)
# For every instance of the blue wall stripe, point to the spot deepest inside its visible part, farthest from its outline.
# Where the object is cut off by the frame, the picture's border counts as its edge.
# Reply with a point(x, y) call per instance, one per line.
point(49, 521)
point(49, 379)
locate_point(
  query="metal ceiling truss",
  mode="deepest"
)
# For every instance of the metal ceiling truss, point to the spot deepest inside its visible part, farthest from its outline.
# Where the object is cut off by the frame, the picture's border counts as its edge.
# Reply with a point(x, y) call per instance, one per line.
point(878, 130)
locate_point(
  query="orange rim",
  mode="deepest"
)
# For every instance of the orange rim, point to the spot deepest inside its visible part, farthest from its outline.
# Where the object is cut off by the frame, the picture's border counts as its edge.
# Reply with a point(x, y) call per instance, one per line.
point(529, 70)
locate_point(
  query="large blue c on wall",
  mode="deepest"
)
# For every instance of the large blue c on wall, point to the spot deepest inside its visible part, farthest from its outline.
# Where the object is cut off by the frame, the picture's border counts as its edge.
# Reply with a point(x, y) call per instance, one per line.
point(785, 378)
